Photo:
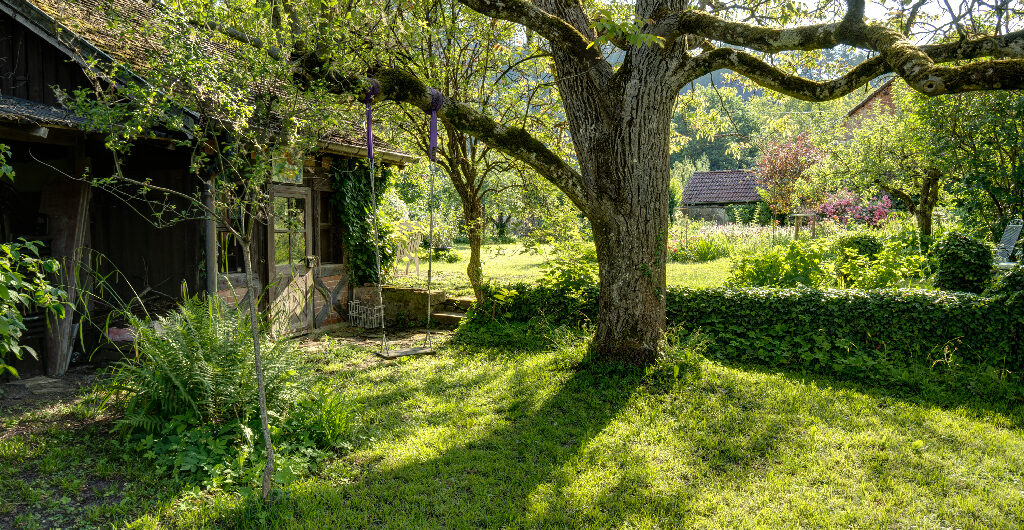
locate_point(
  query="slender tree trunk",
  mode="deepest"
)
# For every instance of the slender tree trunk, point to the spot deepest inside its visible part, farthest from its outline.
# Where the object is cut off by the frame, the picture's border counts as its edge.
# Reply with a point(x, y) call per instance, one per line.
point(929, 197)
point(474, 217)
point(250, 281)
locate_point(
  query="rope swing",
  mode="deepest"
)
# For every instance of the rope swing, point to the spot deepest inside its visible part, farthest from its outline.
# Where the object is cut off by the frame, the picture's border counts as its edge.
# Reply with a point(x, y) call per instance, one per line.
point(436, 102)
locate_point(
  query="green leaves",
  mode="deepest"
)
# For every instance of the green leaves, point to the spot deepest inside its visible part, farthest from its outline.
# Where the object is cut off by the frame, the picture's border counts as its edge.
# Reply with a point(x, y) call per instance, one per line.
point(353, 201)
point(25, 286)
point(964, 264)
point(631, 33)
point(887, 336)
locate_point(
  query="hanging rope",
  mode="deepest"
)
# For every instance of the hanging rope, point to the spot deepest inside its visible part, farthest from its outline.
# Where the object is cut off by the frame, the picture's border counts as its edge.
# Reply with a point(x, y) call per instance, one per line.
point(370, 94)
point(436, 102)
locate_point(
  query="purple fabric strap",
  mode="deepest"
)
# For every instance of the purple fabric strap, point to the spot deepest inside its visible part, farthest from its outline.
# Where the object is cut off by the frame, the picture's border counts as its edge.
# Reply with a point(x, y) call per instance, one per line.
point(436, 102)
point(370, 94)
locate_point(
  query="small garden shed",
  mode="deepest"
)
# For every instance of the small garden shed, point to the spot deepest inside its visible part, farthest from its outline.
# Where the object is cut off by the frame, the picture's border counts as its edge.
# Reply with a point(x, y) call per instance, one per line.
point(44, 44)
point(708, 193)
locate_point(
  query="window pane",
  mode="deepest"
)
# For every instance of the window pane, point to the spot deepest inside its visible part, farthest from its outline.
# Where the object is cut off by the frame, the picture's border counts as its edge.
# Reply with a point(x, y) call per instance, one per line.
point(297, 215)
point(298, 246)
point(289, 230)
point(281, 248)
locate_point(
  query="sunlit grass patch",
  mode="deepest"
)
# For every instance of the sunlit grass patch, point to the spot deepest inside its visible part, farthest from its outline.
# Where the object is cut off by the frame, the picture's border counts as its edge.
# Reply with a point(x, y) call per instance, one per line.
point(491, 434)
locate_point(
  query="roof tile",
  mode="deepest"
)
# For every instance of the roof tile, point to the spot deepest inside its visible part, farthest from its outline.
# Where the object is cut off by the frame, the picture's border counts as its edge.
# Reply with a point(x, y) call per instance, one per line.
point(721, 187)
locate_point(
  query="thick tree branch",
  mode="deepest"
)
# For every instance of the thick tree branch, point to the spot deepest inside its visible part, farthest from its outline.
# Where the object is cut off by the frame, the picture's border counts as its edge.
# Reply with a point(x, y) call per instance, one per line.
point(776, 79)
point(402, 87)
point(768, 40)
point(919, 67)
point(557, 31)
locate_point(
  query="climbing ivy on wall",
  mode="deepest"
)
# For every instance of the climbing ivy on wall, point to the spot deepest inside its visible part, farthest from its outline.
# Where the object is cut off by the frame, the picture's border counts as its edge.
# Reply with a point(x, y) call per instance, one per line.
point(353, 201)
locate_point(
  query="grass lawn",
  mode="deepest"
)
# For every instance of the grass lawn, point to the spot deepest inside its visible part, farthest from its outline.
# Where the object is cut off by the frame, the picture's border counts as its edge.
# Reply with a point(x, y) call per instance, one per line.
point(510, 263)
point(506, 429)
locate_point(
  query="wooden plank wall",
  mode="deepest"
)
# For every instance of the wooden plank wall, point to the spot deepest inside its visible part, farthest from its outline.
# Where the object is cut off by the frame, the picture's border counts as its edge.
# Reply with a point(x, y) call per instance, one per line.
point(160, 258)
point(29, 66)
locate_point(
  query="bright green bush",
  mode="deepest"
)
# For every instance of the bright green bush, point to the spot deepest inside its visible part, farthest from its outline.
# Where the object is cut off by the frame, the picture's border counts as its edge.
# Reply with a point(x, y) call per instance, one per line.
point(758, 213)
point(962, 263)
point(197, 363)
point(889, 268)
point(24, 285)
point(798, 263)
point(1009, 284)
point(448, 255)
point(861, 243)
point(566, 294)
point(190, 401)
point(700, 248)
point(904, 337)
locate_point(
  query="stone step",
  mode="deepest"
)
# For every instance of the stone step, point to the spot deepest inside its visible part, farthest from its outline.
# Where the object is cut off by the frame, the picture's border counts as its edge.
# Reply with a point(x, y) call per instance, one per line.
point(447, 319)
point(456, 304)
point(463, 302)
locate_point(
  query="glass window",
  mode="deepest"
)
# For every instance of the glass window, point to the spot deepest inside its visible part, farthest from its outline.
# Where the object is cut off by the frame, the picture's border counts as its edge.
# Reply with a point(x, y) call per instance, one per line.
point(289, 230)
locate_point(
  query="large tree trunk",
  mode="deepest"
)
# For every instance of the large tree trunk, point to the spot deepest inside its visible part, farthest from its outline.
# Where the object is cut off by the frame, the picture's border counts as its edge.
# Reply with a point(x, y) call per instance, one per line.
point(631, 302)
point(625, 153)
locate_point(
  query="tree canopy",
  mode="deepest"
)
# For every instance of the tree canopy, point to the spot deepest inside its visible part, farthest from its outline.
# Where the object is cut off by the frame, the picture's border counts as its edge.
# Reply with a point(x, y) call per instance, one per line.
point(618, 69)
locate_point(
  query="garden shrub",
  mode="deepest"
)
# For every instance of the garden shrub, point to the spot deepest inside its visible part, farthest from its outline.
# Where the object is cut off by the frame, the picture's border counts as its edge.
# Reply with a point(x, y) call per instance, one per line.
point(700, 248)
point(861, 243)
point(447, 255)
point(565, 295)
point(798, 263)
point(962, 263)
point(892, 267)
point(909, 338)
point(757, 213)
point(902, 336)
point(197, 361)
point(1009, 284)
point(846, 207)
point(24, 285)
point(190, 400)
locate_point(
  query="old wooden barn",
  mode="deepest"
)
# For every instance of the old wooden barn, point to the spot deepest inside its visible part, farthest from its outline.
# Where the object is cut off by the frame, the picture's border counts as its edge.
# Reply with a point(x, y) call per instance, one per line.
point(44, 45)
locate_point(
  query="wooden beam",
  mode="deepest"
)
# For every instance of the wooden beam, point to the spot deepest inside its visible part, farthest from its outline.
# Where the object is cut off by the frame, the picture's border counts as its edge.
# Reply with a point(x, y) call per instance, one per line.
point(67, 205)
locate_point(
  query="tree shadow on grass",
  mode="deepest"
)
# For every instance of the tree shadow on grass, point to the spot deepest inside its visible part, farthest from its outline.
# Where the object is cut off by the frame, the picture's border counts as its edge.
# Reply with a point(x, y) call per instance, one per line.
point(977, 392)
point(523, 472)
point(482, 483)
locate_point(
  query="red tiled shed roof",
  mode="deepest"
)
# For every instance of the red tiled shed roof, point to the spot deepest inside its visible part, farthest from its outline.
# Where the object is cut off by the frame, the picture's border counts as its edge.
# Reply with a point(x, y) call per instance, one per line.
point(721, 187)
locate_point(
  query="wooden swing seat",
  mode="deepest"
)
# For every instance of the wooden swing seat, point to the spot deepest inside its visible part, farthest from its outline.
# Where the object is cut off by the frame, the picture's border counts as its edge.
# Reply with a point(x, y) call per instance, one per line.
point(395, 354)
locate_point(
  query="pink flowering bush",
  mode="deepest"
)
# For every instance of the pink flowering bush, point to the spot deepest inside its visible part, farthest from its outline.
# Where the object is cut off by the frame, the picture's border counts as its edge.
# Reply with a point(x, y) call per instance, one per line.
point(845, 207)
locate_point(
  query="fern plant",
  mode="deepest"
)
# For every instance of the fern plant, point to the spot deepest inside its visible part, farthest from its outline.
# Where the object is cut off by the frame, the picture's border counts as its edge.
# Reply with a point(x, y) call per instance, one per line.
point(196, 363)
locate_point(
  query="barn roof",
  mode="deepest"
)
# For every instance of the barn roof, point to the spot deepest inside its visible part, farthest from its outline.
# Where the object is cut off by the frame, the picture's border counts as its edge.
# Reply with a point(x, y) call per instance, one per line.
point(721, 187)
point(114, 31)
point(31, 113)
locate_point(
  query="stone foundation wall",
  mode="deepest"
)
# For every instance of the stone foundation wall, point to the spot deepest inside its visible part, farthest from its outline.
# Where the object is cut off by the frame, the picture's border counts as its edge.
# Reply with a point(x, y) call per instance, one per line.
point(408, 305)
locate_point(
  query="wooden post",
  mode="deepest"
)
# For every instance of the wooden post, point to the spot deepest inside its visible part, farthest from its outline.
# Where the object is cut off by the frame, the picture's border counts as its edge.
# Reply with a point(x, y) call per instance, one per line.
point(67, 205)
point(210, 240)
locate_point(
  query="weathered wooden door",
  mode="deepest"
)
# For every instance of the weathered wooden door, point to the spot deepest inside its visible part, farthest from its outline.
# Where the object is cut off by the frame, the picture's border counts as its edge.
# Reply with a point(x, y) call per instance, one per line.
point(292, 288)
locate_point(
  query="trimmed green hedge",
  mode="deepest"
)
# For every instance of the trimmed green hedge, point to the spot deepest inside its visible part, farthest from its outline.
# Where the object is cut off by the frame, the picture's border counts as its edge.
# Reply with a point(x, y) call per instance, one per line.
point(523, 302)
point(880, 335)
point(901, 336)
